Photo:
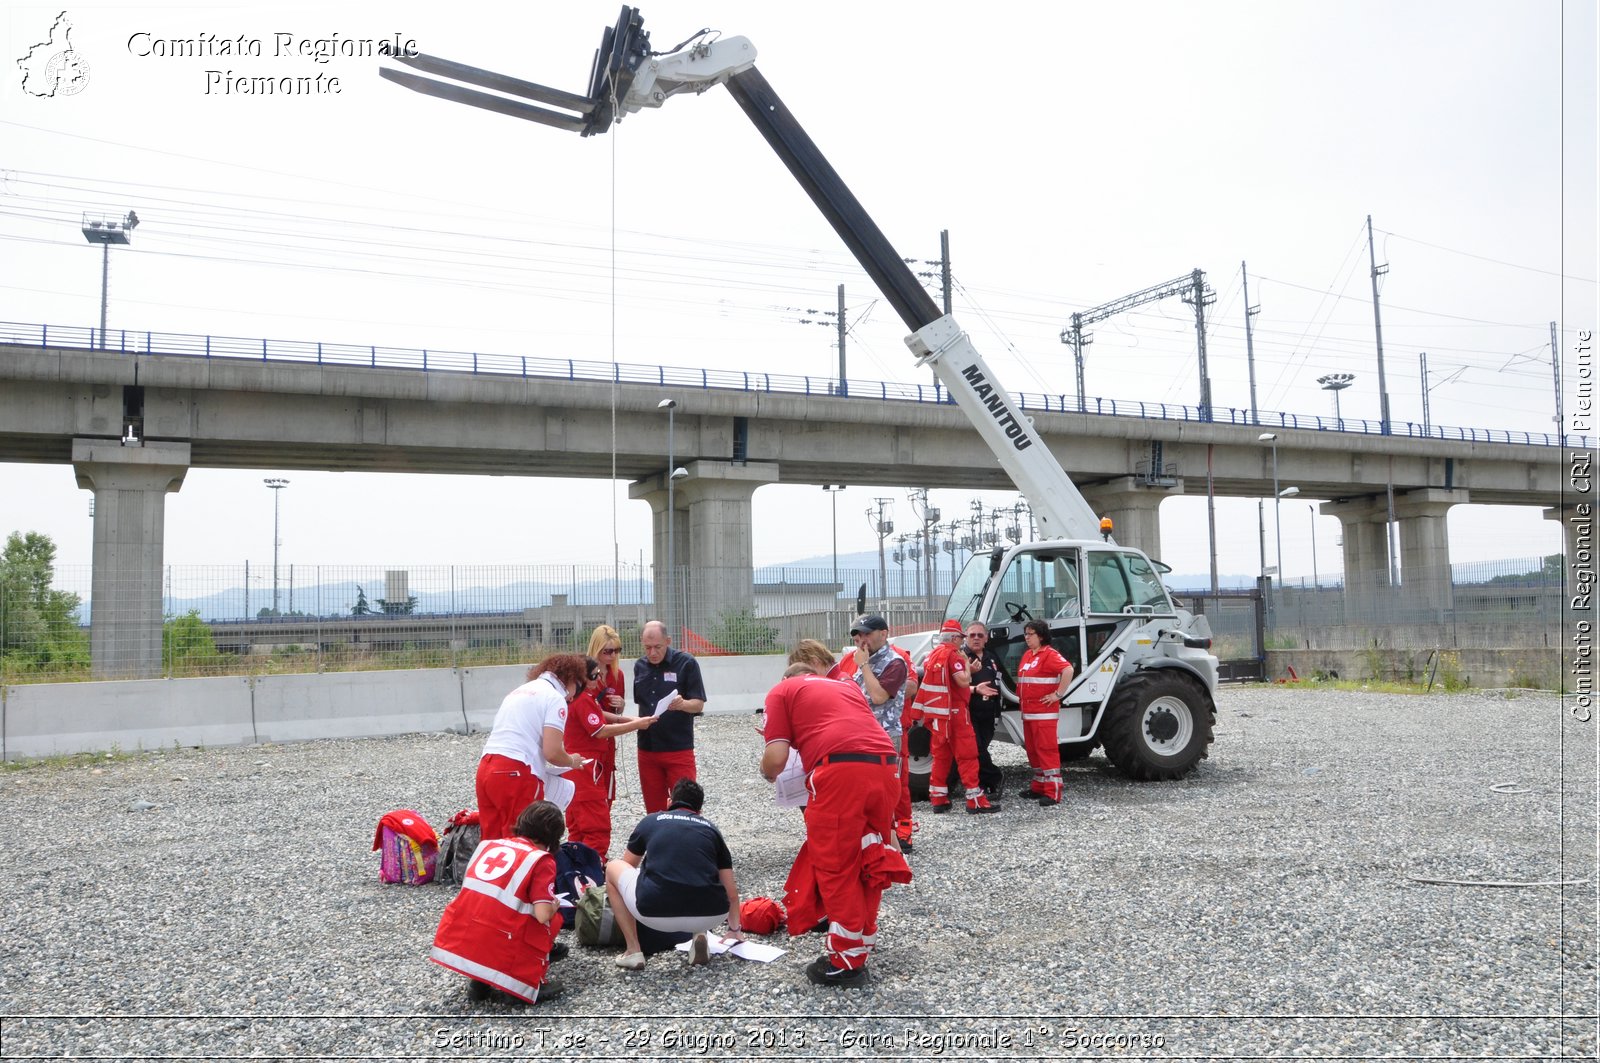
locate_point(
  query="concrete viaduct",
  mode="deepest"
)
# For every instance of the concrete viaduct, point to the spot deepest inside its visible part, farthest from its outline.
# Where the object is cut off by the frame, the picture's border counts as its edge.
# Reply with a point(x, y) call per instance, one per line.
point(131, 425)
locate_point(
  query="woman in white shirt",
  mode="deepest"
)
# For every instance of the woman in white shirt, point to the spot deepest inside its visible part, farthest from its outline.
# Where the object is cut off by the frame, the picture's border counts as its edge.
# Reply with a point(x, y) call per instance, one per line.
point(525, 756)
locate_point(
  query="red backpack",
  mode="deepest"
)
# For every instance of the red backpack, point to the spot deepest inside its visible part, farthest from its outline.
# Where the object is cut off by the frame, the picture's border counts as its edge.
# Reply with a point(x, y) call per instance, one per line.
point(409, 845)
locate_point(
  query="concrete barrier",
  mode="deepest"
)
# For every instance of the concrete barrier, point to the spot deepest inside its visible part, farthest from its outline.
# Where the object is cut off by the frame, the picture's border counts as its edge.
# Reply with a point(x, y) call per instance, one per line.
point(1540, 668)
point(291, 708)
point(51, 719)
point(482, 690)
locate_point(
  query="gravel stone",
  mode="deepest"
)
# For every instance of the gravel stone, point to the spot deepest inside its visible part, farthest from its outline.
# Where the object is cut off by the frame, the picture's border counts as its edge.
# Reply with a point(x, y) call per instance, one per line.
point(1266, 905)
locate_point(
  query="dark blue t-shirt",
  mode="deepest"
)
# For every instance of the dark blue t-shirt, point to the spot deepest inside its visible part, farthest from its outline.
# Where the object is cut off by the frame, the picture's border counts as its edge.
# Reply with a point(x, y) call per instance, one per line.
point(674, 731)
point(683, 852)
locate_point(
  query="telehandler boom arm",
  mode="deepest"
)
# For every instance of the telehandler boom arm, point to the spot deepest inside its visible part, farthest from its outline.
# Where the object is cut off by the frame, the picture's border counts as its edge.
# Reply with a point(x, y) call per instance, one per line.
point(627, 77)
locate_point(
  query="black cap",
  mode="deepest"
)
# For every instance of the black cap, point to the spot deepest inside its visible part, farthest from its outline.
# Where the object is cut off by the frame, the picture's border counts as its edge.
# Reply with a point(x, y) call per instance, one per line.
point(869, 622)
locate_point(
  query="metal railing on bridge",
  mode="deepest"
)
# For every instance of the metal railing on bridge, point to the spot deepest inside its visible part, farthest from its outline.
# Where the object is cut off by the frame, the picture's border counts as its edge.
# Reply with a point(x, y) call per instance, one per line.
point(312, 352)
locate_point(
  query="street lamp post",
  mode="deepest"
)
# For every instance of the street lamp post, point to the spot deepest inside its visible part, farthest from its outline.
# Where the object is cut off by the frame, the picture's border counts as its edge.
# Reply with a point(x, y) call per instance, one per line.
point(1287, 492)
point(674, 474)
point(277, 484)
point(1315, 581)
point(833, 497)
point(1272, 438)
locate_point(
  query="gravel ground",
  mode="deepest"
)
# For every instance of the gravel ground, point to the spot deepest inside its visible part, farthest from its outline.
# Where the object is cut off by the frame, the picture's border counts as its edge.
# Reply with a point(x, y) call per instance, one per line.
point(1264, 906)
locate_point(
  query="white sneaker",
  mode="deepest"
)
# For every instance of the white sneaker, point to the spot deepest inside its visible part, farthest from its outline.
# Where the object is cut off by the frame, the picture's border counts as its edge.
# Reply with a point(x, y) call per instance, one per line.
point(631, 961)
point(699, 950)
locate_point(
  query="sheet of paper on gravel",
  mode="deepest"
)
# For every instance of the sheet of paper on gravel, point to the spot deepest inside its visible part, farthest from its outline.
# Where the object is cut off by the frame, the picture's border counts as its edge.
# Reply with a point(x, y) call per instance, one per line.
point(745, 950)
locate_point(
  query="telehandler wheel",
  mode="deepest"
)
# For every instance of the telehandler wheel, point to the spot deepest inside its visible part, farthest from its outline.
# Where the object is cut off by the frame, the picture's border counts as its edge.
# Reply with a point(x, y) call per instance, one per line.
point(1158, 724)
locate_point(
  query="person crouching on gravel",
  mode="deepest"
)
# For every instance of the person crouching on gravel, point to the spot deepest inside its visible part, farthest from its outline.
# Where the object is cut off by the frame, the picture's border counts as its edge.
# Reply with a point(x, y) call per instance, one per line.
point(500, 929)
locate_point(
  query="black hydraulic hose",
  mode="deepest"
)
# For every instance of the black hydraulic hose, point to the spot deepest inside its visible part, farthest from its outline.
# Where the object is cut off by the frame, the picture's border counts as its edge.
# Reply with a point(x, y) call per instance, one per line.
point(838, 204)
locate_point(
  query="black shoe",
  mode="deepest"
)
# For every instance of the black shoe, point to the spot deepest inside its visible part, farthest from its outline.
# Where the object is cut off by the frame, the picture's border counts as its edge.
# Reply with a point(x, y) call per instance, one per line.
point(1046, 800)
point(550, 989)
point(559, 951)
point(937, 809)
point(981, 810)
point(478, 992)
point(1029, 794)
point(823, 972)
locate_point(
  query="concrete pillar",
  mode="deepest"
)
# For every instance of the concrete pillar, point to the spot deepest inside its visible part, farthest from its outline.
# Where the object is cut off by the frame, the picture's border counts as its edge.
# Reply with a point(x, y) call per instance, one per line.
point(711, 538)
point(130, 485)
point(1577, 530)
point(1366, 554)
point(1425, 550)
point(1132, 505)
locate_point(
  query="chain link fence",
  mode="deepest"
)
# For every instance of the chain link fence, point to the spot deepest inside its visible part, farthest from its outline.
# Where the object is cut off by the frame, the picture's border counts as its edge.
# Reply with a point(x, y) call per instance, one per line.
point(247, 619)
point(1514, 604)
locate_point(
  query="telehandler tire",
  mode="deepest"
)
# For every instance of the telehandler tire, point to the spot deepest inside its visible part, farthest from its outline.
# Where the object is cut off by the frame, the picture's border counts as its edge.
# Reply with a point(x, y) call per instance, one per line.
point(1158, 725)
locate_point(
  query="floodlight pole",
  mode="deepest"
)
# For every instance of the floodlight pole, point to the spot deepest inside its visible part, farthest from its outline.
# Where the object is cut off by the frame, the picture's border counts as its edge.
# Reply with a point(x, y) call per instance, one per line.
point(277, 484)
point(105, 230)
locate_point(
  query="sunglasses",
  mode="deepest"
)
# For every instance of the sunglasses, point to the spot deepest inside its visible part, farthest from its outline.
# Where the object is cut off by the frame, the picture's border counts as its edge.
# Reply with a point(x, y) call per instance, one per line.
point(611, 651)
point(594, 676)
point(977, 635)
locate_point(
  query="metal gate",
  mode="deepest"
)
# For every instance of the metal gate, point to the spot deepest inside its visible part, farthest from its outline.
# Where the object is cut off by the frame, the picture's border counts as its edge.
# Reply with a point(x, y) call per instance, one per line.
point(1238, 622)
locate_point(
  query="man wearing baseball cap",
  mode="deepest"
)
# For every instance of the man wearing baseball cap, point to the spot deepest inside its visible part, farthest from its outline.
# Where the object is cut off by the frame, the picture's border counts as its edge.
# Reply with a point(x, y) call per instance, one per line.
point(942, 698)
point(884, 675)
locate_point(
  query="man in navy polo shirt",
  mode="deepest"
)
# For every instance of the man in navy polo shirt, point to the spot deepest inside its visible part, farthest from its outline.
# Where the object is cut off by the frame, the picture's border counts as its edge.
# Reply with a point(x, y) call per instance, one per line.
point(666, 750)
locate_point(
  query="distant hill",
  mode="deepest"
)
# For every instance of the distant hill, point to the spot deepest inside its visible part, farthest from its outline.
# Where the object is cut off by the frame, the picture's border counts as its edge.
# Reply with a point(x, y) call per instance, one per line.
point(338, 598)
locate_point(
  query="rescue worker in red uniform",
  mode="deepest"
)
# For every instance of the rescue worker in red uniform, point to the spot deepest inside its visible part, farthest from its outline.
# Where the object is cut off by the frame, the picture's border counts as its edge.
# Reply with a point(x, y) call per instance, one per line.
point(591, 733)
point(1043, 676)
point(849, 856)
point(942, 700)
point(888, 680)
point(500, 929)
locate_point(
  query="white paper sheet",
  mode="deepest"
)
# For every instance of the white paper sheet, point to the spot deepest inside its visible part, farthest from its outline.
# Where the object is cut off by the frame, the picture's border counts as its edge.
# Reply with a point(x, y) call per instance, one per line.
point(666, 703)
point(789, 788)
point(745, 950)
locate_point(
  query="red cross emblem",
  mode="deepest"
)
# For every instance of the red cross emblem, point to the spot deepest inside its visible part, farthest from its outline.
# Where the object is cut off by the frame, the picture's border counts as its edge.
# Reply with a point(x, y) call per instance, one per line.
point(496, 861)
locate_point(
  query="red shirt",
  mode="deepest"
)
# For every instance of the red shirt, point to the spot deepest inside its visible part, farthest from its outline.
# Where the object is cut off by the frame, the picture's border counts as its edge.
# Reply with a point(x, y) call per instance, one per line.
point(819, 716)
point(612, 684)
point(1039, 673)
point(584, 718)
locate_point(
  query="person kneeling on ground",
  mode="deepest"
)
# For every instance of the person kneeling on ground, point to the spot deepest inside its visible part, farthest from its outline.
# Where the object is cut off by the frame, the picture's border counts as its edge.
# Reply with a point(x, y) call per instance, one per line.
point(676, 876)
point(500, 929)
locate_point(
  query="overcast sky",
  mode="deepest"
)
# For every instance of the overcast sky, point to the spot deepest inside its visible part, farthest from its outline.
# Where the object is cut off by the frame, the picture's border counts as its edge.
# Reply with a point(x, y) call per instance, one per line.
point(1076, 152)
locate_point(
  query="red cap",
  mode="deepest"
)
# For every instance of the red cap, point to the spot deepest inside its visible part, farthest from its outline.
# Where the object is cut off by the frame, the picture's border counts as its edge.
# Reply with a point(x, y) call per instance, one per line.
point(761, 915)
point(951, 627)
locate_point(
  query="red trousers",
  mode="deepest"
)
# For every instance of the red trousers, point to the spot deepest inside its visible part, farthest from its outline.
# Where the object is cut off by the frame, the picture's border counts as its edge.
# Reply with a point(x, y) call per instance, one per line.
point(505, 787)
point(902, 803)
point(657, 773)
point(1044, 754)
point(850, 803)
point(589, 813)
point(953, 734)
